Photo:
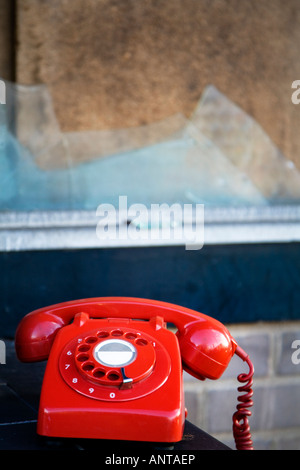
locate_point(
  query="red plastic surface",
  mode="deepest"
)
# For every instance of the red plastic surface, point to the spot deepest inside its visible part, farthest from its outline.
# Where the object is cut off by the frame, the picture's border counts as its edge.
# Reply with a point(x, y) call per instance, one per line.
point(73, 404)
point(83, 396)
point(206, 353)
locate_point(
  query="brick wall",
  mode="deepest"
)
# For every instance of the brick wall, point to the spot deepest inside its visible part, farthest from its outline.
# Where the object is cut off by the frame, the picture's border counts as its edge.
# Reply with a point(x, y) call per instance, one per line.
point(275, 421)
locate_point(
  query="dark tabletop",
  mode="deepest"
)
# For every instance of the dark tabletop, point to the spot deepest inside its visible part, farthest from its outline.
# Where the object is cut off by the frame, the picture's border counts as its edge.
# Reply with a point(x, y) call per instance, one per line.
point(20, 386)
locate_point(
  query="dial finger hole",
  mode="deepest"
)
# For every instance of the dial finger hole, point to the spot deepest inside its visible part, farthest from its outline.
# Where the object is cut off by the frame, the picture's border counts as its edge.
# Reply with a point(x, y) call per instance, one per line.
point(91, 339)
point(98, 373)
point(102, 334)
point(88, 366)
point(117, 333)
point(113, 376)
point(131, 335)
point(141, 342)
point(82, 357)
point(83, 348)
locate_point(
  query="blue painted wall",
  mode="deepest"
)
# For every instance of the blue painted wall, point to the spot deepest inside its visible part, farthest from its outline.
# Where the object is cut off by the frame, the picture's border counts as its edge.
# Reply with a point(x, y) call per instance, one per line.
point(239, 283)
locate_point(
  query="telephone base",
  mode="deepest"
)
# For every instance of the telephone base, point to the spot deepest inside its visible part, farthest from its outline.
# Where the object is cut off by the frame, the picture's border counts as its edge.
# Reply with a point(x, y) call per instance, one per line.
point(163, 428)
point(79, 403)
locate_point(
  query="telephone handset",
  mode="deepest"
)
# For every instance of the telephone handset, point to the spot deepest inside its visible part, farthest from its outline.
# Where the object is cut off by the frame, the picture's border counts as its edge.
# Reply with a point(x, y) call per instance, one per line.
point(115, 369)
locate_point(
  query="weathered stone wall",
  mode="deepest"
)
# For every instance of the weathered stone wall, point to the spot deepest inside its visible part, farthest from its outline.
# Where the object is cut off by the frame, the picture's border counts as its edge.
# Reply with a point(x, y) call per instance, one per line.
point(112, 63)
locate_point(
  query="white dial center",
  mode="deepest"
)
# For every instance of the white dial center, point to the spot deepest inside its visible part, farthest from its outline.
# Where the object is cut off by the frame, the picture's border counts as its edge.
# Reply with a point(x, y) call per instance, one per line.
point(115, 353)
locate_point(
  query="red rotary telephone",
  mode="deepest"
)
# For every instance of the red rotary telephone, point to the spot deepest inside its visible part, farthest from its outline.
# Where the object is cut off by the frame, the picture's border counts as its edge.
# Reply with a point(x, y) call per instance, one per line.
point(115, 370)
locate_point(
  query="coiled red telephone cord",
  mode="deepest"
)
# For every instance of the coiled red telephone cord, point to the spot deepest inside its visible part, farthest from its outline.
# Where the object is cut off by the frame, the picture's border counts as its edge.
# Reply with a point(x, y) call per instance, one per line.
point(240, 426)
